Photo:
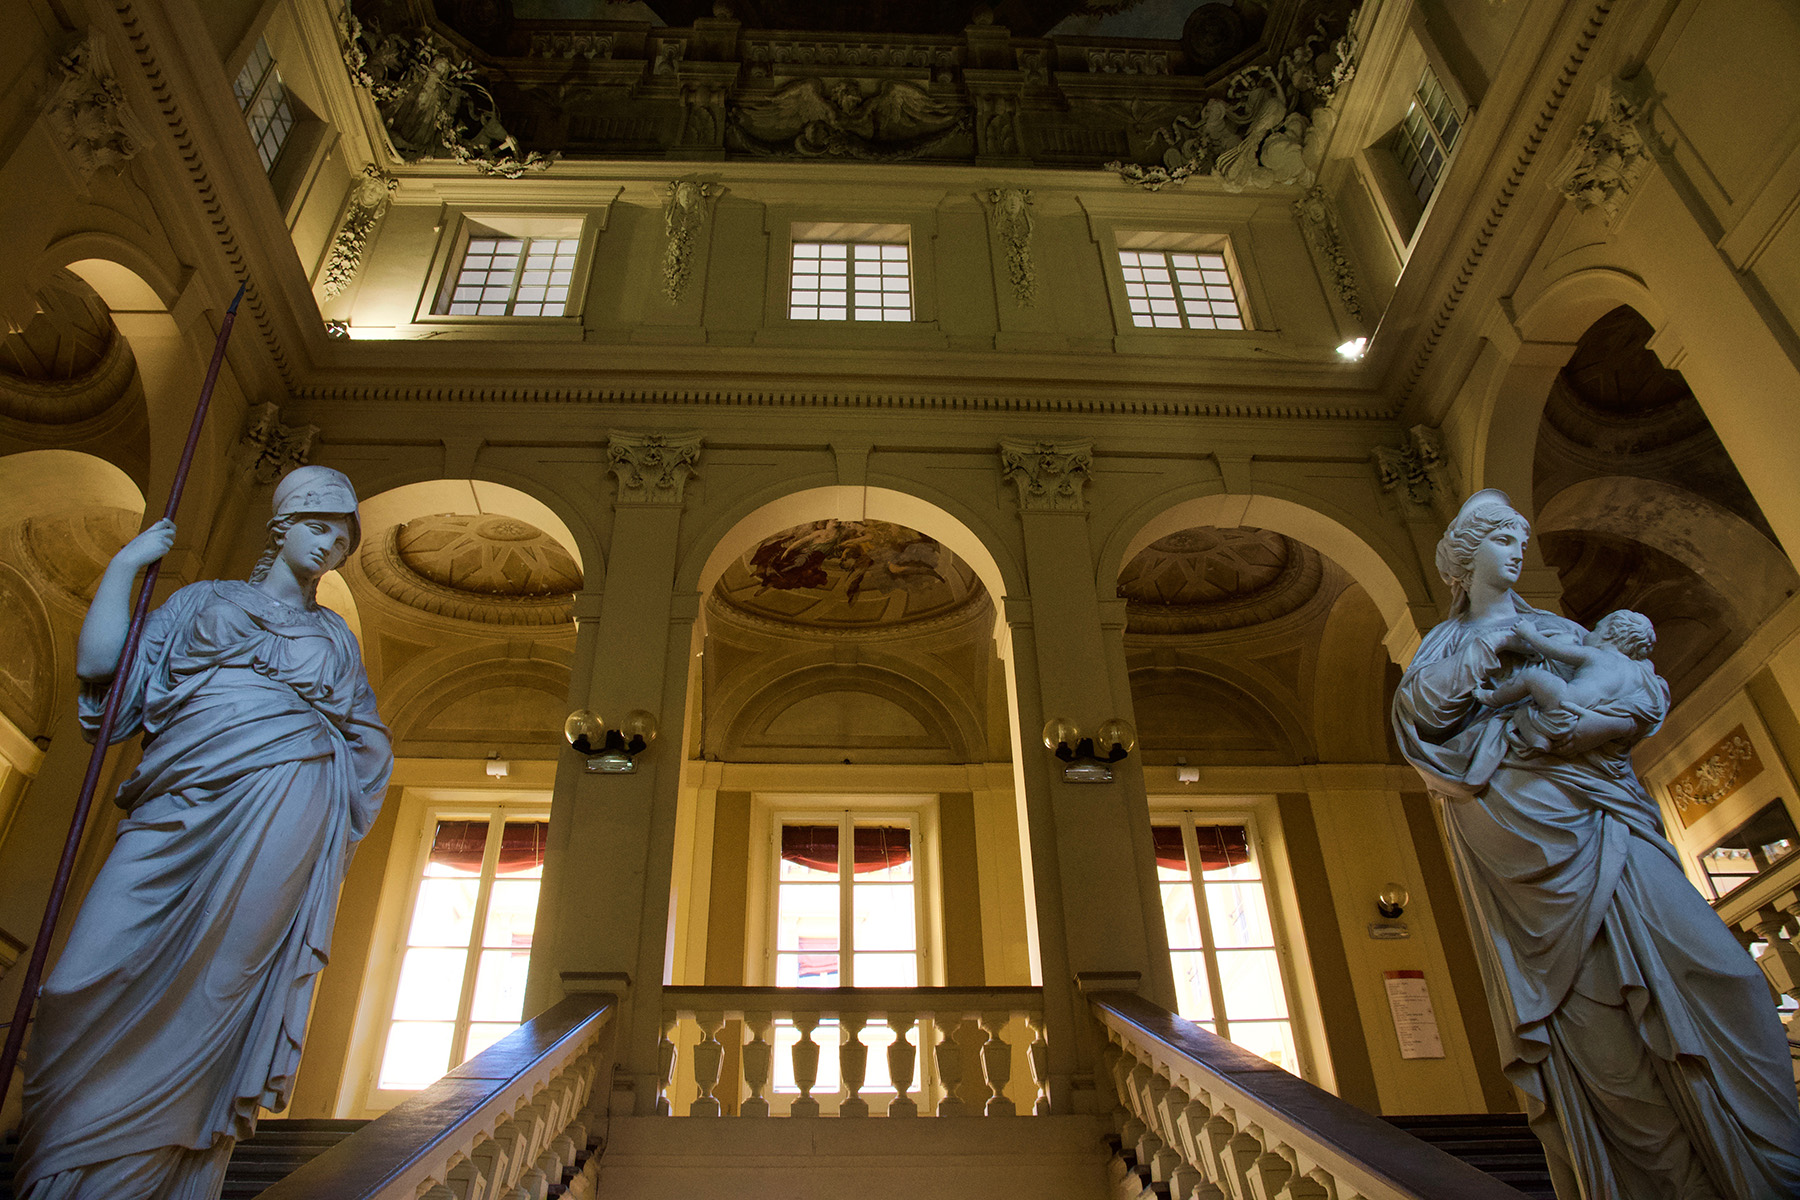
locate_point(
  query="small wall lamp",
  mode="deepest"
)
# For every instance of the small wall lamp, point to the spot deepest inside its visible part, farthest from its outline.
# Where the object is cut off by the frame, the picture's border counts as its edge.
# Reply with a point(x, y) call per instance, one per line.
point(1392, 901)
point(610, 751)
point(1088, 759)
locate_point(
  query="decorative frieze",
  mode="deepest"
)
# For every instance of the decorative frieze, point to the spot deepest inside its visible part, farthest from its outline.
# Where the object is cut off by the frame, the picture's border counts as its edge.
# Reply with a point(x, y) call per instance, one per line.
point(86, 111)
point(652, 468)
point(272, 448)
point(1051, 476)
point(368, 201)
point(1609, 156)
point(1009, 214)
point(876, 119)
point(1319, 224)
point(684, 216)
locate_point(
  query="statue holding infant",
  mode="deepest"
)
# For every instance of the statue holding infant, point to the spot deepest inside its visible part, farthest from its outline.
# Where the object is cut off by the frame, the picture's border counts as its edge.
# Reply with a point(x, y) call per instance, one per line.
point(176, 1011)
point(1642, 1035)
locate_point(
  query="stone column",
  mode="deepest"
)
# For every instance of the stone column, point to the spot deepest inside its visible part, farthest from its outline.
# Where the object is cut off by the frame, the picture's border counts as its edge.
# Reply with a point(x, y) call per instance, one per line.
point(1099, 917)
point(605, 903)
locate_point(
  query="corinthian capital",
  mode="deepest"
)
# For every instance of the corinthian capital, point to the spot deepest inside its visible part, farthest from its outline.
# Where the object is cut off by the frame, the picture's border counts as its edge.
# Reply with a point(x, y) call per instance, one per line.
point(652, 468)
point(1050, 475)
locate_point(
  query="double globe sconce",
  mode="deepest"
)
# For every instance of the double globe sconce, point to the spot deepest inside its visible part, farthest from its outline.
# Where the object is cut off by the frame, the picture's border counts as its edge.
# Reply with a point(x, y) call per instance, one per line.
point(1089, 758)
point(610, 749)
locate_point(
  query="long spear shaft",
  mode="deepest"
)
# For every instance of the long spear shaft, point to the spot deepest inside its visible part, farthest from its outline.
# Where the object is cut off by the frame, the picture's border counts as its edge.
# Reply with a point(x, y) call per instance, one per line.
point(40, 949)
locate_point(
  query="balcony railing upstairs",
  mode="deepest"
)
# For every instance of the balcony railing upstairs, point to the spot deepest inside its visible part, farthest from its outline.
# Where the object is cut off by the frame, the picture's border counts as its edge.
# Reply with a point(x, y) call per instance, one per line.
point(773, 1039)
point(1765, 910)
point(1211, 1120)
point(515, 1120)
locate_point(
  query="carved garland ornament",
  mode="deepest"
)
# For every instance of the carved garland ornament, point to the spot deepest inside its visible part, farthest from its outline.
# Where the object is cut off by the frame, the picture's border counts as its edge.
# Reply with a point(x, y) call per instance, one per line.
point(275, 447)
point(1050, 475)
point(1317, 221)
point(684, 216)
point(1009, 208)
point(1417, 469)
point(652, 468)
point(368, 201)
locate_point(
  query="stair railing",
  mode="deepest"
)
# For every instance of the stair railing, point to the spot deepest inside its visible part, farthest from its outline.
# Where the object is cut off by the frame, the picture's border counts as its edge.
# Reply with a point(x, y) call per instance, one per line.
point(510, 1123)
point(963, 1031)
point(1212, 1121)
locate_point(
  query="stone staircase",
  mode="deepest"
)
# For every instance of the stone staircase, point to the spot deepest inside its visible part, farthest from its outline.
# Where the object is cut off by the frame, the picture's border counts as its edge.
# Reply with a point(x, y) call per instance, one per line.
point(1500, 1144)
point(278, 1149)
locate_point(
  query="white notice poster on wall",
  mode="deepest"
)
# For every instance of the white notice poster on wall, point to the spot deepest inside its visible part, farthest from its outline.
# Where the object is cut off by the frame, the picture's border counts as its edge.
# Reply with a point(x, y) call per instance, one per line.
point(1409, 999)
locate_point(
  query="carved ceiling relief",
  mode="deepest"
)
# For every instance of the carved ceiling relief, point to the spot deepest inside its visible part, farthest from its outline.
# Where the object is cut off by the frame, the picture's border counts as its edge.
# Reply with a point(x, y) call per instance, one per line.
point(69, 362)
point(496, 570)
point(1191, 88)
point(87, 112)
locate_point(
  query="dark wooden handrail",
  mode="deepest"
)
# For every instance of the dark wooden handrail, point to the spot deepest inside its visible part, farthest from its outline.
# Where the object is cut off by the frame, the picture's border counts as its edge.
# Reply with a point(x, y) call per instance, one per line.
point(1406, 1165)
point(376, 1156)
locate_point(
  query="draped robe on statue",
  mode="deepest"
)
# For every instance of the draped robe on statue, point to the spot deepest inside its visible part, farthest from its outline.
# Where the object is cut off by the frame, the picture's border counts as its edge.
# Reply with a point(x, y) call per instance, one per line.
point(1643, 1036)
point(178, 1006)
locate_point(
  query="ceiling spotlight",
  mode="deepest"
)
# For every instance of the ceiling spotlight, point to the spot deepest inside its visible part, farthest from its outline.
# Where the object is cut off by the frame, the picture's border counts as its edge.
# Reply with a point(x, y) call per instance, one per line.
point(1353, 350)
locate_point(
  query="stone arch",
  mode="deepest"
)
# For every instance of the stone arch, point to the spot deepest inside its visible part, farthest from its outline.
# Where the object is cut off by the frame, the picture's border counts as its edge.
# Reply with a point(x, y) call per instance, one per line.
point(1728, 554)
point(915, 724)
point(1511, 403)
point(440, 691)
point(470, 497)
point(1383, 571)
point(1214, 715)
point(40, 482)
point(734, 533)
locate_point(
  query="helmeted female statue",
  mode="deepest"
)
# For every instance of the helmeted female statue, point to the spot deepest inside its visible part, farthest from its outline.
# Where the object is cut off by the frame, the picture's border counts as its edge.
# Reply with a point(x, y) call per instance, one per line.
point(1642, 1035)
point(177, 1008)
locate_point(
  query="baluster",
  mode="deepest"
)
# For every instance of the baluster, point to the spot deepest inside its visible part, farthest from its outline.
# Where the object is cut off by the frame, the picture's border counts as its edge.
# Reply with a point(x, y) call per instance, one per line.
point(1242, 1158)
point(1214, 1137)
point(466, 1181)
point(1151, 1143)
point(709, 1055)
point(902, 1057)
point(437, 1191)
point(949, 1065)
point(1302, 1183)
point(806, 1065)
point(665, 1063)
point(1171, 1158)
point(996, 1065)
point(758, 1055)
point(493, 1157)
point(1037, 1056)
point(853, 1065)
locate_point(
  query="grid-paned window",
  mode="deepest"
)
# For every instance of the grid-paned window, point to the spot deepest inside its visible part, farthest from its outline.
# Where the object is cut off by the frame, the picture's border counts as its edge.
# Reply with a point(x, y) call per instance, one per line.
point(1175, 289)
point(850, 281)
point(504, 276)
point(268, 112)
point(1222, 937)
point(468, 946)
point(1423, 142)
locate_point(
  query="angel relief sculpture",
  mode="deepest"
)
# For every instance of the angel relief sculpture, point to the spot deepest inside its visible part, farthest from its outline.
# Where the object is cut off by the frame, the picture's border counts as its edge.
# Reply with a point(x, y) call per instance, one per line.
point(817, 118)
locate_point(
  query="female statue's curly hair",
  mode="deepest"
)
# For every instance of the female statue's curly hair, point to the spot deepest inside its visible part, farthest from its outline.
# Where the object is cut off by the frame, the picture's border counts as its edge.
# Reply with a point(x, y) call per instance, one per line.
point(278, 531)
point(1456, 549)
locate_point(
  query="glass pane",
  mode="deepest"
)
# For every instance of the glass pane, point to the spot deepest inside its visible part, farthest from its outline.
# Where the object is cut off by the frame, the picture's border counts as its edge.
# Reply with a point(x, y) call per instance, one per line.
point(484, 1034)
point(1193, 999)
point(512, 910)
point(430, 985)
point(1240, 914)
point(1171, 857)
point(1225, 852)
point(500, 986)
point(1252, 984)
point(809, 852)
point(807, 917)
point(1180, 916)
point(826, 1037)
point(457, 848)
point(883, 853)
point(417, 1053)
point(444, 913)
point(807, 970)
point(887, 970)
point(883, 917)
point(1274, 1040)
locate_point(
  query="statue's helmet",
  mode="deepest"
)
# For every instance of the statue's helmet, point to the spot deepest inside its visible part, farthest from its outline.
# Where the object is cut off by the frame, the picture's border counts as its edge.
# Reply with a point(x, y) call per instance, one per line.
point(319, 491)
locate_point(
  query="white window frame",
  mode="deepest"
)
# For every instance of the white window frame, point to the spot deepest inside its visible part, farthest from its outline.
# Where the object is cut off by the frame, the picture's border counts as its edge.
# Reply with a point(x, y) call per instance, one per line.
point(460, 225)
point(258, 87)
point(784, 224)
point(359, 1093)
point(1403, 144)
point(1261, 819)
point(1112, 229)
point(860, 244)
point(1189, 286)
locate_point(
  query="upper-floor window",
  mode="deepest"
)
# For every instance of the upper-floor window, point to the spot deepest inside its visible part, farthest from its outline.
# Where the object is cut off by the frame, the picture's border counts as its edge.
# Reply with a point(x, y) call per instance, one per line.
point(1426, 136)
point(268, 111)
point(846, 906)
point(522, 266)
point(461, 984)
point(1228, 975)
point(863, 276)
point(1176, 289)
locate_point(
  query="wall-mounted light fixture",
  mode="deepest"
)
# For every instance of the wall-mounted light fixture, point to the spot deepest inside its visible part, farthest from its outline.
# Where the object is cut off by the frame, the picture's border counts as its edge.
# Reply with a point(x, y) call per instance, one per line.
point(1392, 901)
point(609, 750)
point(1088, 759)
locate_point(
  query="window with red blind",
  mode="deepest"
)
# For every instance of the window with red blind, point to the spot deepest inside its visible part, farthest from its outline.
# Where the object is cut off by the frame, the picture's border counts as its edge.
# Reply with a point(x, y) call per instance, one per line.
point(461, 985)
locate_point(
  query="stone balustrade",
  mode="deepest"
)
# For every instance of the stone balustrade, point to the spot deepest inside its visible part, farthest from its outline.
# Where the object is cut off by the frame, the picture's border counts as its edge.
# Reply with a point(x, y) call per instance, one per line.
point(512, 1123)
point(963, 1031)
point(1765, 910)
point(1207, 1120)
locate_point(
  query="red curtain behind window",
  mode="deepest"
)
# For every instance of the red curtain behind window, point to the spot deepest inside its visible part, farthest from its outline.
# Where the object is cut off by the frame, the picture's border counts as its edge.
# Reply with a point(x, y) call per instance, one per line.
point(461, 844)
point(1221, 847)
point(876, 847)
